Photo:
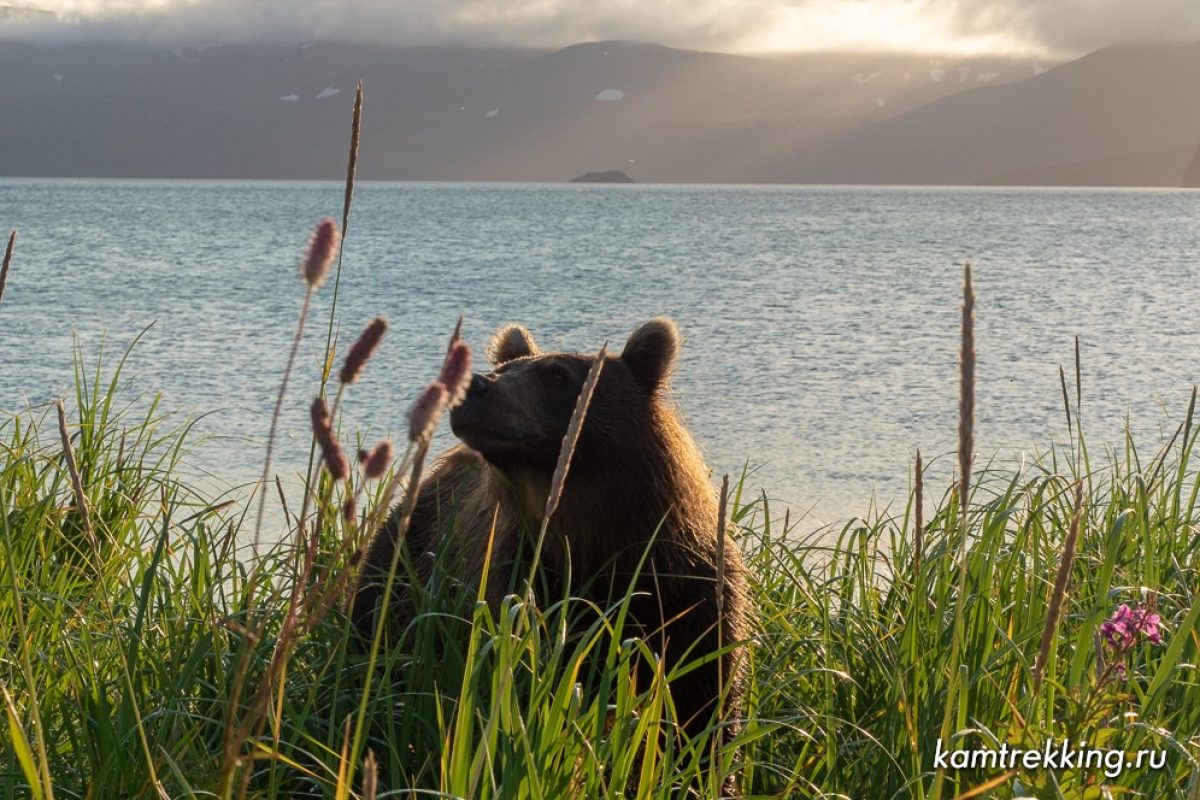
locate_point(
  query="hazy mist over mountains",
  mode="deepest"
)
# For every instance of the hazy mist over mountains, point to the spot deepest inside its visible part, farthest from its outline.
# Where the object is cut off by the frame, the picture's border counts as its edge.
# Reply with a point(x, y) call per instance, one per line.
point(1121, 116)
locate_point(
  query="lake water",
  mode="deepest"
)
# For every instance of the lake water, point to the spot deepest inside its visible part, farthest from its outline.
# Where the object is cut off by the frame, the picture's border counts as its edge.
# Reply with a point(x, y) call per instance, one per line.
point(821, 323)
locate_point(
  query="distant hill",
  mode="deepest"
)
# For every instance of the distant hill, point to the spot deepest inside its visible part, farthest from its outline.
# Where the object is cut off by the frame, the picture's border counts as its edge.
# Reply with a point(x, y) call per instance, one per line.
point(461, 113)
point(1123, 116)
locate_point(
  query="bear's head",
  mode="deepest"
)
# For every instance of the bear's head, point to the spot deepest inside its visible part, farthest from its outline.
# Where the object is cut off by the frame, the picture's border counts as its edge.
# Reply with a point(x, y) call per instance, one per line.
point(517, 415)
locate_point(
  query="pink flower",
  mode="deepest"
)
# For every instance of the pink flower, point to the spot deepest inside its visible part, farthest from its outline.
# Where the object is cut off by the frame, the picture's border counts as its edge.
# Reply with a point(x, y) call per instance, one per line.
point(1124, 628)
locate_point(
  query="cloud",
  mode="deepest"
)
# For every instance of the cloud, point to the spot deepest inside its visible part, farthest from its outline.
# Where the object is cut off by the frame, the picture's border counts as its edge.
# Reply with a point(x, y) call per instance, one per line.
point(534, 23)
point(1077, 26)
point(1045, 26)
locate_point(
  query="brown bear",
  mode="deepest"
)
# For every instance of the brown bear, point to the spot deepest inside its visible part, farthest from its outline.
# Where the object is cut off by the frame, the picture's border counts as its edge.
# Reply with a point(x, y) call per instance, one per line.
point(637, 485)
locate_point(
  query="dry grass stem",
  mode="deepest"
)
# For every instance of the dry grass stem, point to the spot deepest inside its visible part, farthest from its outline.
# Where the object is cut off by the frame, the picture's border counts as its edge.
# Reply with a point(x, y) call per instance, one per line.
point(352, 161)
point(8, 251)
point(283, 504)
point(347, 201)
point(966, 436)
point(966, 405)
point(76, 480)
point(563, 466)
point(722, 533)
point(330, 238)
point(287, 372)
point(1160, 458)
point(325, 244)
point(918, 512)
point(312, 600)
point(370, 782)
point(570, 440)
point(1059, 592)
point(1079, 379)
point(1187, 423)
point(1062, 379)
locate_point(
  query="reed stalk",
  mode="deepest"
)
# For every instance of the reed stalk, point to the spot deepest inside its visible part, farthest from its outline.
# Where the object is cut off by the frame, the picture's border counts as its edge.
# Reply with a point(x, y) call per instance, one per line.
point(918, 514)
point(76, 481)
point(966, 404)
point(966, 443)
point(559, 478)
point(275, 414)
point(1062, 380)
point(8, 251)
point(347, 202)
point(1059, 591)
point(323, 245)
point(722, 533)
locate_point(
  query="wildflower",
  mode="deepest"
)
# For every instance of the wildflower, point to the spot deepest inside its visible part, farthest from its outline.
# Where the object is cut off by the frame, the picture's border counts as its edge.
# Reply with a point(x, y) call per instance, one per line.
point(1123, 629)
point(427, 411)
point(376, 460)
point(322, 247)
point(331, 451)
point(456, 372)
point(362, 350)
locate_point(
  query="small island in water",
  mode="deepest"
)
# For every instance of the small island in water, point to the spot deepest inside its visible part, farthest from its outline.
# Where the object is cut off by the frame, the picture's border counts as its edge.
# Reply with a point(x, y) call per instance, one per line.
point(607, 176)
point(1191, 175)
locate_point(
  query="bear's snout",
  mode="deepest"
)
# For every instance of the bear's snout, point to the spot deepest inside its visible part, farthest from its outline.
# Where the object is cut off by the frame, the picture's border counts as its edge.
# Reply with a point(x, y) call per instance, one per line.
point(472, 419)
point(479, 385)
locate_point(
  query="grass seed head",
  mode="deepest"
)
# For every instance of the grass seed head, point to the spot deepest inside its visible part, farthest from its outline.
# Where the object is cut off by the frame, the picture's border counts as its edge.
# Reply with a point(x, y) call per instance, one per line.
point(322, 247)
point(376, 460)
point(427, 411)
point(456, 372)
point(362, 350)
point(331, 451)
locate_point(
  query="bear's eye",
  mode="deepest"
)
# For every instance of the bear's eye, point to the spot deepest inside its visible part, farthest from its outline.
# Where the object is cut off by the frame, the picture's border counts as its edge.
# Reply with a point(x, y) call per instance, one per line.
point(558, 375)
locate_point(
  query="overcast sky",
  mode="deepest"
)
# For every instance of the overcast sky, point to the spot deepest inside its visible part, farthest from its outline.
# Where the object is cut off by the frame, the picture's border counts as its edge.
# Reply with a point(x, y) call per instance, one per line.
point(1059, 27)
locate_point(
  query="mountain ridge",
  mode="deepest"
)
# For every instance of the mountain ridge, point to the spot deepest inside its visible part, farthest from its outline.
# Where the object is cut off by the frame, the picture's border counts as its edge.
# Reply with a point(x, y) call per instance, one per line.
point(1113, 112)
point(670, 115)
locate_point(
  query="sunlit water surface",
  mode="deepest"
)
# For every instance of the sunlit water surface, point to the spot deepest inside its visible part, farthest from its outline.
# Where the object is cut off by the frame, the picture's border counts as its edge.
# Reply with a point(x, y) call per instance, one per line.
point(822, 323)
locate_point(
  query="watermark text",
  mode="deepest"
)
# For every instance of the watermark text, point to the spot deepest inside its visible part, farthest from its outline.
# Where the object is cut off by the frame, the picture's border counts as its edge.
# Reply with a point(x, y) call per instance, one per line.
point(1051, 755)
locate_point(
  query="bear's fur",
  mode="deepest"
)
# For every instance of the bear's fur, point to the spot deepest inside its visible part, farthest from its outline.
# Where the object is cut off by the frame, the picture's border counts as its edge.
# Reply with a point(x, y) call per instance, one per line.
point(637, 484)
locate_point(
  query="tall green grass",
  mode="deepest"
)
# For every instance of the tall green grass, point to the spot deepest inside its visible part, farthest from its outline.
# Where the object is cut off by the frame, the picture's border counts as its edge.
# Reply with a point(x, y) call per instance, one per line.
point(145, 653)
point(121, 648)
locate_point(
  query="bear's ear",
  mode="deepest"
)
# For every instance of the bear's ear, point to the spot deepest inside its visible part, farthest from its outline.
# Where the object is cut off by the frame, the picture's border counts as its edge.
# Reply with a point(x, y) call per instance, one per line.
point(511, 341)
point(651, 351)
